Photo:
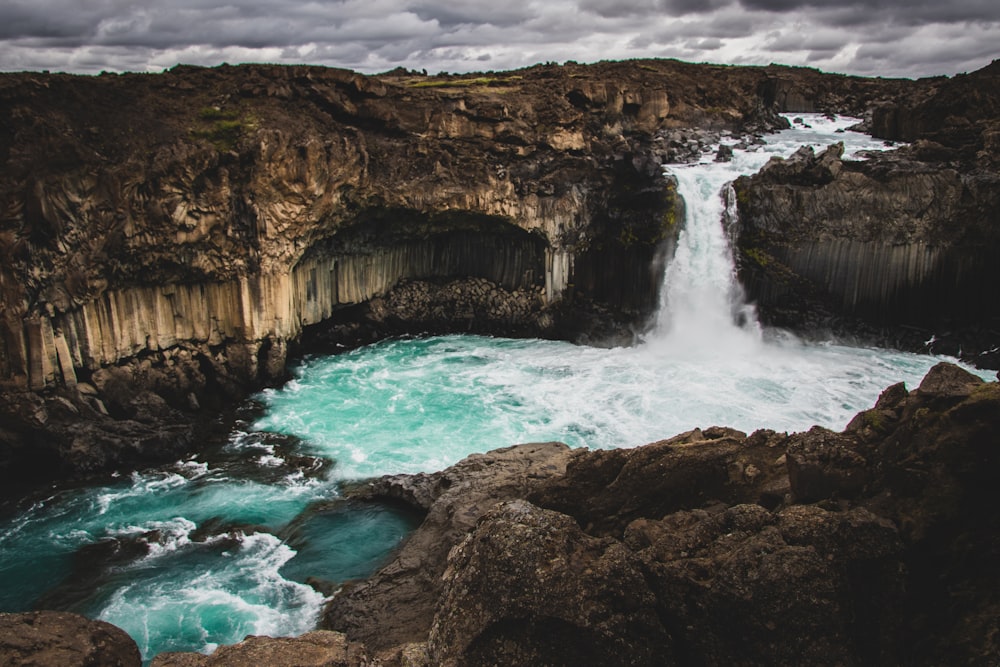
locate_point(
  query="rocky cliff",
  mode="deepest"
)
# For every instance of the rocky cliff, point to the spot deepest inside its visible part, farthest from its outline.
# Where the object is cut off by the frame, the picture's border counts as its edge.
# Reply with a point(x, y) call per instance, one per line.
point(904, 243)
point(166, 239)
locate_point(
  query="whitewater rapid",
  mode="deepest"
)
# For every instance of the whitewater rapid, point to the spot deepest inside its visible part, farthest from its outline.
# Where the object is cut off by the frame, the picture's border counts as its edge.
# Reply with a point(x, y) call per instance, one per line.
point(208, 550)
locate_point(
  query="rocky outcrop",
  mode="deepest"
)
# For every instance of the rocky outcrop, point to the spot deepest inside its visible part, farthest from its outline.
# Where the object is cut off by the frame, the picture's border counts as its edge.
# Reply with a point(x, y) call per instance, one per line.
point(62, 639)
point(896, 248)
point(396, 605)
point(960, 116)
point(898, 243)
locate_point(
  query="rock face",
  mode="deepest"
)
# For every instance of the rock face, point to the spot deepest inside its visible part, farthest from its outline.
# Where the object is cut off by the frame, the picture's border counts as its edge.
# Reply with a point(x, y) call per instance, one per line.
point(396, 605)
point(62, 639)
point(313, 649)
point(902, 242)
point(182, 232)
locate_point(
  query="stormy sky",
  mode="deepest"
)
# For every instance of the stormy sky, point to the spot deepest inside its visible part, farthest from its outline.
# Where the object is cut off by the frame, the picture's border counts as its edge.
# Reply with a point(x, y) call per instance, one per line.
point(909, 38)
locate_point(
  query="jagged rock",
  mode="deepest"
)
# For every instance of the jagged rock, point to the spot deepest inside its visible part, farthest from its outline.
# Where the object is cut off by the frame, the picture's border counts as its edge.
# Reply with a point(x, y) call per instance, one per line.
point(62, 639)
point(528, 587)
point(314, 649)
point(605, 490)
point(823, 464)
point(396, 605)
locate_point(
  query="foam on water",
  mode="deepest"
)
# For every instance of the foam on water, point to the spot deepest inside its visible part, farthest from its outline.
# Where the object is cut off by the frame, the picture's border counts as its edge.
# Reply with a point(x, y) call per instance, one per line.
point(215, 599)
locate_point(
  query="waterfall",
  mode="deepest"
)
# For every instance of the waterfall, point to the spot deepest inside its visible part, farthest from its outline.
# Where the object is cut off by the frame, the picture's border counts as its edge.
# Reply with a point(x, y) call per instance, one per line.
point(703, 309)
point(702, 304)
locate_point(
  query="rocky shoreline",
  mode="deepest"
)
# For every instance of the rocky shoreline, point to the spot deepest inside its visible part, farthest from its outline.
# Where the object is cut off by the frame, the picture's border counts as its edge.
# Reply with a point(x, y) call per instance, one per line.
point(875, 545)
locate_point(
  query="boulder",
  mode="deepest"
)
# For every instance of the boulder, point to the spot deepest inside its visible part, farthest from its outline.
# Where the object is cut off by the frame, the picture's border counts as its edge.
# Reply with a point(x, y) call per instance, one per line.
point(63, 639)
point(528, 587)
point(396, 605)
point(800, 586)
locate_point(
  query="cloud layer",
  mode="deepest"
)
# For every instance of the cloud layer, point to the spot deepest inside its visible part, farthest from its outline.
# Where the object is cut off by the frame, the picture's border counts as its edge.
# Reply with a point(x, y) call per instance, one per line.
point(873, 37)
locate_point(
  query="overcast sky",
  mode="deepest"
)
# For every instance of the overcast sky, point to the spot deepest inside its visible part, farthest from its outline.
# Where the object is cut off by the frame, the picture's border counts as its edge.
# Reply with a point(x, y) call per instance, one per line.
point(870, 37)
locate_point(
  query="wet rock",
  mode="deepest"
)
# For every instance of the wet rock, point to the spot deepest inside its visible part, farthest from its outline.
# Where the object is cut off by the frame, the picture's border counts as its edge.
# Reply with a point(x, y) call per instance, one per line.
point(396, 605)
point(62, 639)
point(724, 154)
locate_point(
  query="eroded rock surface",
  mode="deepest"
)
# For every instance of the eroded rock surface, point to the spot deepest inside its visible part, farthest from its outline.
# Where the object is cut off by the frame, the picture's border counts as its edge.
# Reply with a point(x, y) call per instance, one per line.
point(396, 605)
point(62, 639)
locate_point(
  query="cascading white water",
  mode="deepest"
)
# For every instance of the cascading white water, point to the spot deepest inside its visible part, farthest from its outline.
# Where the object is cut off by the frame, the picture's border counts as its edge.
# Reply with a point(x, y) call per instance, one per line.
point(702, 304)
point(703, 310)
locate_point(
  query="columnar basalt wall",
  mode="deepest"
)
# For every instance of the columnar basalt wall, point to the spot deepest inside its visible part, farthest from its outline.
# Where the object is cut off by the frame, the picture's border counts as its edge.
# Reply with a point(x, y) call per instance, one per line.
point(915, 283)
point(124, 323)
point(897, 241)
point(175, 233)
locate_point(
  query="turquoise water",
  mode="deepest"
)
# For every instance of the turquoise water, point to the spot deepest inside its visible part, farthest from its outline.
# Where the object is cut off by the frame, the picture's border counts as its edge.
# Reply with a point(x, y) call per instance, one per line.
point(205, 551)
point(199, 553)
point(423, 404)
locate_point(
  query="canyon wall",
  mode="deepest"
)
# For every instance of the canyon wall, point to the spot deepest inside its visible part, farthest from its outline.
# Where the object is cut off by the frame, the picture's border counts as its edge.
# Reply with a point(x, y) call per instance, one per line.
point(234, 206)
point(904, 242)
point(179, 233)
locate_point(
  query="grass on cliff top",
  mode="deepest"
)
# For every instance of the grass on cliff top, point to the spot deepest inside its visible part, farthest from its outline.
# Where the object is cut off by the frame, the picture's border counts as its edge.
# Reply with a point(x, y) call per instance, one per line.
point(481, 81)
point(222, 128)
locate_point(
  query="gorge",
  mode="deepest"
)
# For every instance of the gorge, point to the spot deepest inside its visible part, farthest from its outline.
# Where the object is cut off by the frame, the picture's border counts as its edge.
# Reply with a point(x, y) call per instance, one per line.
point(133, 312)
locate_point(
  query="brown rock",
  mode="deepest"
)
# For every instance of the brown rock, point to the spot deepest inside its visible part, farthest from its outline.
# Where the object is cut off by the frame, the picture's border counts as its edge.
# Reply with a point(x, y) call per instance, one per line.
point(314, 649)
point(62, 639)
point(745, 586)
point(605, 490)
point(529, 587)
point(949, 382)
point(823, 464)
point(396, 605)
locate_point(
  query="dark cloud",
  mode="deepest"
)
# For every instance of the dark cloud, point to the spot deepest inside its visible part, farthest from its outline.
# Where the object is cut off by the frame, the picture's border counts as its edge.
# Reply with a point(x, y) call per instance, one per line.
point(450, 15)
point(887, 37)
point(622, 8)
point(907, 12)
